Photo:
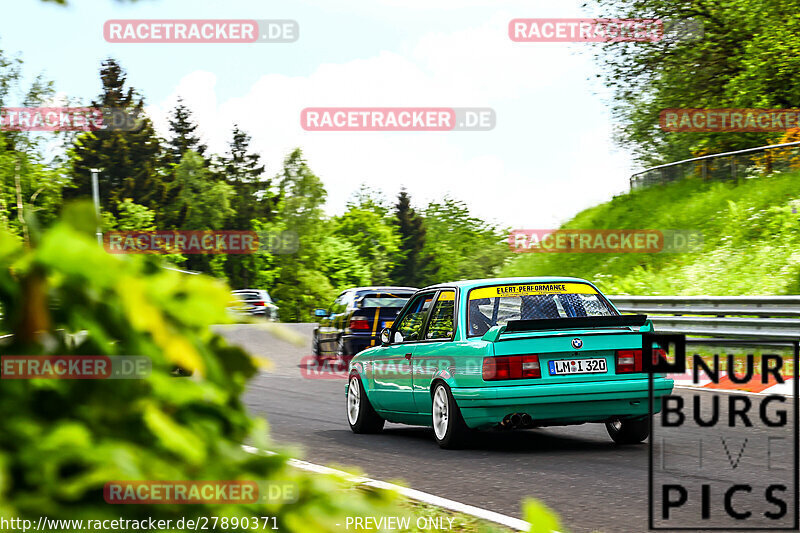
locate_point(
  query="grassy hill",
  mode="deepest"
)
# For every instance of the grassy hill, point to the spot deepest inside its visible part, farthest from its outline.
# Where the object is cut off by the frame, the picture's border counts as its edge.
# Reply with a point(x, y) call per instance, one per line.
point(751, 240)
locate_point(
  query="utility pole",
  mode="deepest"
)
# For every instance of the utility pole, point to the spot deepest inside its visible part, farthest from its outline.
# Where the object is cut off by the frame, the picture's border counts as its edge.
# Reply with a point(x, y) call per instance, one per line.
point(96, 197)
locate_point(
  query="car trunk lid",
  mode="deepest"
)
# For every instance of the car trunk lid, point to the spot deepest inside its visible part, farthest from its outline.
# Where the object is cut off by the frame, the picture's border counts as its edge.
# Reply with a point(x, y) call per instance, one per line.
point(571, 345)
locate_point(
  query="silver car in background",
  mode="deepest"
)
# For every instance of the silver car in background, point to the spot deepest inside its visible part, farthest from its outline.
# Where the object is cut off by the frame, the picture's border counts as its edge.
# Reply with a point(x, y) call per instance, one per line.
point(256, 302)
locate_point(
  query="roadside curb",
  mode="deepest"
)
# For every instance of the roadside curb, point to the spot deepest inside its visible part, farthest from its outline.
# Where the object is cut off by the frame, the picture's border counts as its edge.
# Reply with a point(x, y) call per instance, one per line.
point(411, 494)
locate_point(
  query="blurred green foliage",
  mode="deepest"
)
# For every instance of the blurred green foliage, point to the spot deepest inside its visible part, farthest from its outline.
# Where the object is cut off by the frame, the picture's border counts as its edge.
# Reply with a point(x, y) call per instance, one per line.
point(541, 518)
point(751, 240)
point(62, 440)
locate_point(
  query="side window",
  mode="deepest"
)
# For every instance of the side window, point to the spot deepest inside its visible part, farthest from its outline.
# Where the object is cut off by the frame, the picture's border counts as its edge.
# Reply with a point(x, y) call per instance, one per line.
point(441, 323)
point(336, 306)
point(410, 326)
point(347, 301)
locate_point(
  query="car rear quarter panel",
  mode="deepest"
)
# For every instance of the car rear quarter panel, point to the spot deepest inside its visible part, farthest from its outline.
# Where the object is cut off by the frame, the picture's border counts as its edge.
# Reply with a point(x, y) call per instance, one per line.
point(457, 363)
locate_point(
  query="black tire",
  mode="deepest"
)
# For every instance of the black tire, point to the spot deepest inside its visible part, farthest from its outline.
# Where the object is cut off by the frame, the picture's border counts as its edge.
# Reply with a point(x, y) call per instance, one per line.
point(315, 347)
point(341, 353)
point(340, 349)
point(629, 430)
point(365, 420)
point(455, 429)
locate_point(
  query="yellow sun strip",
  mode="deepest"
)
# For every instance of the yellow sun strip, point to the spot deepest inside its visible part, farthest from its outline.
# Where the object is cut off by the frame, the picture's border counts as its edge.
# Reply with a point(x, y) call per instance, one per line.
point(447, 296)
point(529, 289)
point(375, 326)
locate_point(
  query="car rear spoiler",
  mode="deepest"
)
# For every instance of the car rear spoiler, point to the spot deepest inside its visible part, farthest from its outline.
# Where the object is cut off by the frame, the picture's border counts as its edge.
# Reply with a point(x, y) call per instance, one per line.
point(583, 322)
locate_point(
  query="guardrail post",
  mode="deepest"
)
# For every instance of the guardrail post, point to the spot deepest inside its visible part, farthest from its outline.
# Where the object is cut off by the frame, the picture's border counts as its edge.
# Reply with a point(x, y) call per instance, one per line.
point(704, 169)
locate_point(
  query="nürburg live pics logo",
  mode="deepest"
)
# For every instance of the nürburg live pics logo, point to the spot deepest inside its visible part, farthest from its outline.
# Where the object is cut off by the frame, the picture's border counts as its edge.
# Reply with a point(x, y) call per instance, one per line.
point(723, 448)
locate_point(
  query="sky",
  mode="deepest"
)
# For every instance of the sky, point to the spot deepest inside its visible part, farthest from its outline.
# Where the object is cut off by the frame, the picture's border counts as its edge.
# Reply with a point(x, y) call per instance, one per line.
point(549, 156)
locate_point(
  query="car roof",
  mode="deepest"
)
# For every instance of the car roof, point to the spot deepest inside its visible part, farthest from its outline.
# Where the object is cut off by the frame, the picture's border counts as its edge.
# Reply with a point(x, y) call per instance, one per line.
point(383, 289)
point(471, 283)
point(249, 290)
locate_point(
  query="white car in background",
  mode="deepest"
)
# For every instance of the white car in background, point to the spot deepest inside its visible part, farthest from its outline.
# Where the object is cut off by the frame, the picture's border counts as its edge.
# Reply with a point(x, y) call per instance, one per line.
point(256, 302)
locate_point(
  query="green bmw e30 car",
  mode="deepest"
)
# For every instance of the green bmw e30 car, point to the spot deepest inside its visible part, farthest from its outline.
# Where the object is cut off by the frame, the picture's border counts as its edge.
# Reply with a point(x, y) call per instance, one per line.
point(513, 353)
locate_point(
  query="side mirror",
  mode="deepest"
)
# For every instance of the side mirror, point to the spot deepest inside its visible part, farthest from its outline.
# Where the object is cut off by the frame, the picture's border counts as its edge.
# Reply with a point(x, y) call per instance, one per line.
point(385, 337)
point(320, 312)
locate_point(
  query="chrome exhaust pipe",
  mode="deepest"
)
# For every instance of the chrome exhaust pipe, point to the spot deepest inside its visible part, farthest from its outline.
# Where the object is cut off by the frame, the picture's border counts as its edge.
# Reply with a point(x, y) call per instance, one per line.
point(527, 421)
point(516, 419)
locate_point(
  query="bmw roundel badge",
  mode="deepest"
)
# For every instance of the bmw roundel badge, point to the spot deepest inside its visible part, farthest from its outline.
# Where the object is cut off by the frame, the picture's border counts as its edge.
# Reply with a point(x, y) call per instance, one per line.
point(577, 343)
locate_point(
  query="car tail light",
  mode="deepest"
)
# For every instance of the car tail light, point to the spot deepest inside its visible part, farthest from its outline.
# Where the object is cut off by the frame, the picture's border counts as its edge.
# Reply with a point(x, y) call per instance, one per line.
point(359, 323)
point(530, 366)
point(631, 360)
point(258, 304)
point(511, 367)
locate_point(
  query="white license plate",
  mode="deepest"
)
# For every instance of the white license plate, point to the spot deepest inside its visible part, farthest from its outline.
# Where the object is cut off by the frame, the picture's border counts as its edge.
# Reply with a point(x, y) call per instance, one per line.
point(577, 366)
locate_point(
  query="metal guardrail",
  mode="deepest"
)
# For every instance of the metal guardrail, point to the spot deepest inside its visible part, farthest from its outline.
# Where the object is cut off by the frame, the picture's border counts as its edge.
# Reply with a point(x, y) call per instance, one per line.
point(762, 159)
point(745, 317)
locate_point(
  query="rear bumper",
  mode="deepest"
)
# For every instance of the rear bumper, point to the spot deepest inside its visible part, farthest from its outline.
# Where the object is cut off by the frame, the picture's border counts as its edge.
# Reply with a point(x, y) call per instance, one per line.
point(569, 403)
point(354, 343)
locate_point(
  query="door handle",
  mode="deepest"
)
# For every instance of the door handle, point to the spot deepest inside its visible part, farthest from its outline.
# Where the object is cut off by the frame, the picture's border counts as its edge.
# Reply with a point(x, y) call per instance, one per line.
point(408, 356)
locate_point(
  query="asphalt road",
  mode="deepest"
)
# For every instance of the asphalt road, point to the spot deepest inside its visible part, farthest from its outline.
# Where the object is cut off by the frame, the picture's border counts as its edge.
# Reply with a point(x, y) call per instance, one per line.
point(577, 470)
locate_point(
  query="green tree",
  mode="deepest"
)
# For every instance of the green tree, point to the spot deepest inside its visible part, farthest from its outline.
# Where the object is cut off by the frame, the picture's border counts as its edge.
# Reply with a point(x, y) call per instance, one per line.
point(367, 226)
point(130, 162)
point(200, 202)
point(241, 168)
point(415, 266)
point(745, 57)
point(184, 133)
point(342, 264)
point(301, 282)
point(29, 183)
point(463, 246)
point(252, 200)
point(135, 217)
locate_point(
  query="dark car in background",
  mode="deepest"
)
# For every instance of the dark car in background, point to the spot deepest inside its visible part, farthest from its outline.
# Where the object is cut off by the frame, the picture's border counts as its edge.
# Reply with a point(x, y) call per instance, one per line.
point(256, 302)
point(355, 319)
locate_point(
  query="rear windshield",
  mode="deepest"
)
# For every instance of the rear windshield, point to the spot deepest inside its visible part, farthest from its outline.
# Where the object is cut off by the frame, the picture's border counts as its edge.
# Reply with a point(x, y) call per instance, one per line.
point(383, 299)
point(253, 296)
point(499, 304)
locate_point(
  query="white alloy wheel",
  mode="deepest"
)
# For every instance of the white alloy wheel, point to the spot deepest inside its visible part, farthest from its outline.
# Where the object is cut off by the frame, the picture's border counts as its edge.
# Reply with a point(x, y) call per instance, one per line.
point(441, 412)
point(353, 400)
